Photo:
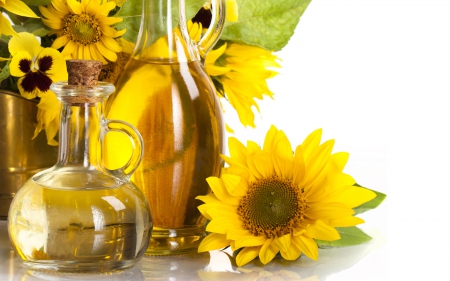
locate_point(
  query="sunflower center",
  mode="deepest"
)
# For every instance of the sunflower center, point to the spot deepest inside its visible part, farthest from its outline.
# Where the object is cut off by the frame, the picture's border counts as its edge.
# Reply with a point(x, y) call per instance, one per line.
point(272, 207)
point(83, 29)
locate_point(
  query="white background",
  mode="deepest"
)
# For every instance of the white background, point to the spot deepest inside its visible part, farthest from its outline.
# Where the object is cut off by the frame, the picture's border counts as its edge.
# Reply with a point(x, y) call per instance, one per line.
point(375, 75)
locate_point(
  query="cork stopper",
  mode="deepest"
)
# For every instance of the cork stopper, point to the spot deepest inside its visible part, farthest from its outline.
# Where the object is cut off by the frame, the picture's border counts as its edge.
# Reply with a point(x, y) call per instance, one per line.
point(83, 72)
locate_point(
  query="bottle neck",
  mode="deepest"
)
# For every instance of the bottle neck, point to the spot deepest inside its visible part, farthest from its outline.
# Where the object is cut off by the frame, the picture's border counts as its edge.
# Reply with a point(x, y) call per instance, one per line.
point(79, 135)
point(163, 35)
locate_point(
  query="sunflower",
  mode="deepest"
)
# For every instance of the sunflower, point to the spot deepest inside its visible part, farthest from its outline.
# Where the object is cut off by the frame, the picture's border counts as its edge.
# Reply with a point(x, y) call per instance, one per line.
point(84, 28)
point(271, 200)
point(16, 7)
point(239, 73)
point(37, 68)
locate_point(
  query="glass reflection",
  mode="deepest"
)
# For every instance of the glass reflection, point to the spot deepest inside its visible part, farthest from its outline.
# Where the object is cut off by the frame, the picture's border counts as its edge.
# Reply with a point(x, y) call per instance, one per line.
point(24, 274)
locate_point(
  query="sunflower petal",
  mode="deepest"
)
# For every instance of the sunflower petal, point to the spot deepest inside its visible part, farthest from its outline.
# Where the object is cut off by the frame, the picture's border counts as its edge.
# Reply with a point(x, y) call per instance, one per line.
point(249, 241)
point(267, 252)
point(311, 142)
point(247, 254)
point(220, 225)
point(346, 221)
point(74, 6)
point(5, 27)
point(322, 231)
point(283, 243)
point(213, 241)
point(307, 245)
point(60, 41)
point(19, 8)
point(292, 253)
point(221, 192)
point(328, 211)
point(235, 185)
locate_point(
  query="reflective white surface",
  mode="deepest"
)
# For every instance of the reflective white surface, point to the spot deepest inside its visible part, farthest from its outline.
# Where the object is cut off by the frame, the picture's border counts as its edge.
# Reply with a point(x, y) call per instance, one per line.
point(216, 265)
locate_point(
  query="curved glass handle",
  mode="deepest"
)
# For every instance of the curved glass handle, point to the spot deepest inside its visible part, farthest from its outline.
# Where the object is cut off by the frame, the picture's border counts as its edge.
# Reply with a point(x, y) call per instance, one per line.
point(137, 144)
point(215, 29)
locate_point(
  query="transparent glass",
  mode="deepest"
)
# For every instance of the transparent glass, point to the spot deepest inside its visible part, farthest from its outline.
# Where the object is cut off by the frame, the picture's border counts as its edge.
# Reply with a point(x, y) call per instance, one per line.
point(79, 216)
point(165, 92)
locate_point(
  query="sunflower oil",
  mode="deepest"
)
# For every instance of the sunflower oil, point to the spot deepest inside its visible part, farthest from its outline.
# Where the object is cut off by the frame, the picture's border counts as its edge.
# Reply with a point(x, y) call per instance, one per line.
point(175, 108)
point(79, 229)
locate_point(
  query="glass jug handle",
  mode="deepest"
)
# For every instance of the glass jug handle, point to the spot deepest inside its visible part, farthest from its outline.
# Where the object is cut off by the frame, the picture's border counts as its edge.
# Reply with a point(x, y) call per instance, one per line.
point(214, 31)
point(137, 144)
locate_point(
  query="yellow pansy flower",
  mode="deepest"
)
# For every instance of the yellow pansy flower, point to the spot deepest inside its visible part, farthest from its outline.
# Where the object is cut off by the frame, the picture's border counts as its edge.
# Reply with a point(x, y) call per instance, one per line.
point(271, 200)
point(37, 68)
point(16, 7)
point(84, 28)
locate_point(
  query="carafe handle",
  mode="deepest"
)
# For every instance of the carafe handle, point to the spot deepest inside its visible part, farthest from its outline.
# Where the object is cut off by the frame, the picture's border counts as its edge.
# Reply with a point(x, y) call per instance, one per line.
point(215, 29)
point(137, 144)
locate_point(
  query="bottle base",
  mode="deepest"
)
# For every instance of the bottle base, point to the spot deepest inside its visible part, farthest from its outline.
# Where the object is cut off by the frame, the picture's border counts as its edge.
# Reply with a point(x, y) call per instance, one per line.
point(179, 241)
point(80, 267)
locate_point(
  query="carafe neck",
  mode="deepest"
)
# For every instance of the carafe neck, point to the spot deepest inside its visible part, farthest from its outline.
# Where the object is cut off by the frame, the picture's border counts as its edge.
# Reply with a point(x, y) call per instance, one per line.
point(79, 135)
point(163, 35)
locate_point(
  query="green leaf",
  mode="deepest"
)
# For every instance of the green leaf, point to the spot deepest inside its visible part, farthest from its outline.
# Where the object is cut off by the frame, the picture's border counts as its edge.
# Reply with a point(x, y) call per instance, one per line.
point(131, 13)
point(5, 72)
point(350, 236)
point(372, 204)
point(37, 2)
point(36, 27)
point(265, 23)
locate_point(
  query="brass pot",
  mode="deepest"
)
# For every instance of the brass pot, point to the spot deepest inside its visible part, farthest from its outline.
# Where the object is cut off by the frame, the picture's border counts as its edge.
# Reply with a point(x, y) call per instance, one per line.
point(20, 156)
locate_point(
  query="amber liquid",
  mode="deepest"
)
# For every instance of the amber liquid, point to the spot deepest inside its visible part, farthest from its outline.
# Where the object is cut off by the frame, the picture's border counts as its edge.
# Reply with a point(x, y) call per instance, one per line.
point(174, 107)
point(77, 229)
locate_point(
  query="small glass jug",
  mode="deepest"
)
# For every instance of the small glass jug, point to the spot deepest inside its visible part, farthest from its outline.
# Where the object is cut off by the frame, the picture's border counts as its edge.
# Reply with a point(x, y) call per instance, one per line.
point(78, 216)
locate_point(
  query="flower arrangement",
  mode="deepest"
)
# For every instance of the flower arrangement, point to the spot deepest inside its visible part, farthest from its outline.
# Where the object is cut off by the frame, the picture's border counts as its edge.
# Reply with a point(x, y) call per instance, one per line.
point(104, 30)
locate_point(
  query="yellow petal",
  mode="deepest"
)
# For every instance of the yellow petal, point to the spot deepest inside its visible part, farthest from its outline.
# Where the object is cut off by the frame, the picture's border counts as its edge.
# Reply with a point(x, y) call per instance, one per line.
point(307, 245)
point(232, 11)
point(339, 160)
point(247, 254)
point(322, 231)
point(107, 53)
point(311, 142)
point(111, 44)
point(5, 27)
point(292, 253)
point(19, 8)
point(213, 241)
point(328, 211)
point(262, 162)
point(270, 139)
point(267, 252)
point(238, 152)
point(353, 196)
point(346, 221)
point(221, 192)
point(70, 49)
point(229, 129)
point(26, 42)
point(221, 225)
point(234, 184)
point(60, 42)
point(283, 243)
point(249, 241)
point(298, 168)
point(14, 67)
point(74, 6)
point(58, 70)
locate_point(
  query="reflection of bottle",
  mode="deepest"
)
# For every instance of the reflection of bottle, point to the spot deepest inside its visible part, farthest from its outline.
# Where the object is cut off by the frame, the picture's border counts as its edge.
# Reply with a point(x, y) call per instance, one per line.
point(165, 92)
point(77, 215)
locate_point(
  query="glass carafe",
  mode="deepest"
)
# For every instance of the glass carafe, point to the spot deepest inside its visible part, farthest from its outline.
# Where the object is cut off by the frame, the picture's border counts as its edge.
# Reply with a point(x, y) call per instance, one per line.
point(78, 216)
point(166, 94)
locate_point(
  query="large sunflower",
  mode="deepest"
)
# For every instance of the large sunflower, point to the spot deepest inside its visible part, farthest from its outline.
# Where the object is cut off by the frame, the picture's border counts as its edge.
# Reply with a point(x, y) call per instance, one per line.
point(84, 28)
point(272, 200)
